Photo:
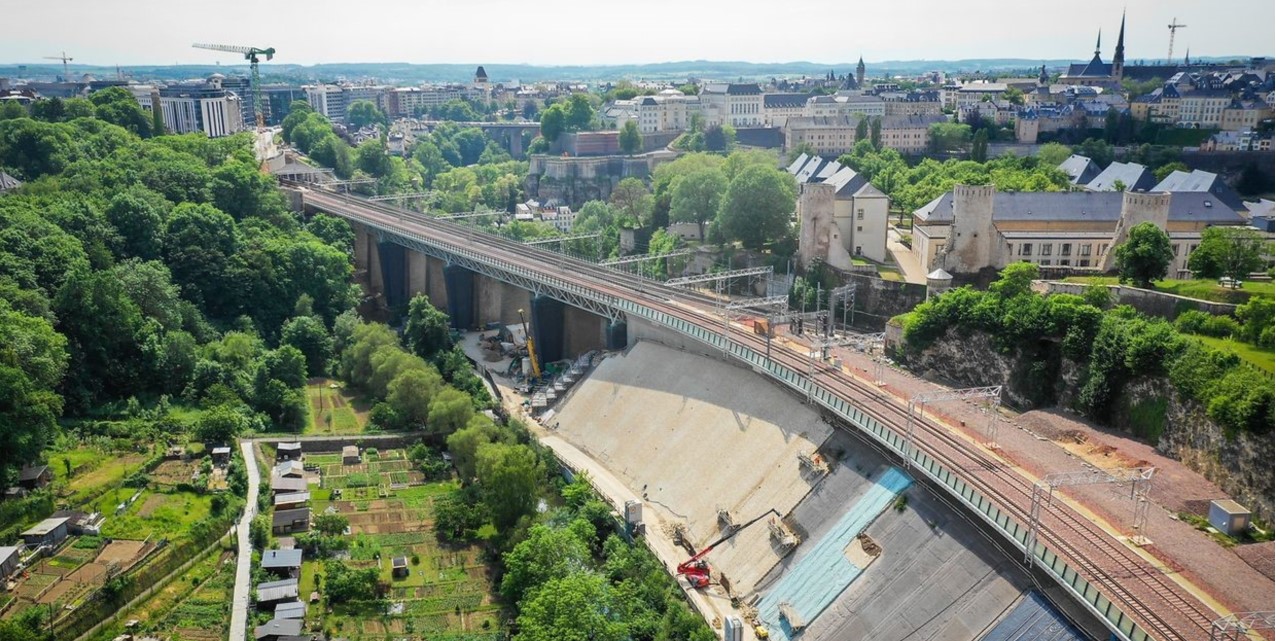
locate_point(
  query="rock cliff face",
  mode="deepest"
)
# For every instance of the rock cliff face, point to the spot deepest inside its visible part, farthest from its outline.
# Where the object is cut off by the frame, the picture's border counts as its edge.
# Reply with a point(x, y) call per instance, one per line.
point(1148, 408)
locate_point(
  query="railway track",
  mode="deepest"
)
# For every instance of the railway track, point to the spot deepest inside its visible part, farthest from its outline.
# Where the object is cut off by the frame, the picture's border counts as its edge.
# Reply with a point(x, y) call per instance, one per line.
point(1152, 600)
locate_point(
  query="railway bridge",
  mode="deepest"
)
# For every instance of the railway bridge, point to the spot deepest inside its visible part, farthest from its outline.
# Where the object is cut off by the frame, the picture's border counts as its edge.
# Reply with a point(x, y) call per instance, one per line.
point(407, 252)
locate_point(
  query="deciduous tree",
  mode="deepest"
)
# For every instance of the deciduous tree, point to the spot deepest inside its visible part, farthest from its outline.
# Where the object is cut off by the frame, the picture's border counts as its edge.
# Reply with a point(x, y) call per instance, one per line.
point(757, 206)
point(1145, 256)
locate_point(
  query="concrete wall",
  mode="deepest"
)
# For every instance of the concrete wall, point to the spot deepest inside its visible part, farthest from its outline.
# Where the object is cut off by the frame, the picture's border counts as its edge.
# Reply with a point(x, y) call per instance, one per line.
point(877, 300)
point(583, 331)
point(499, 302)
point(417, 276)
point(435, 286)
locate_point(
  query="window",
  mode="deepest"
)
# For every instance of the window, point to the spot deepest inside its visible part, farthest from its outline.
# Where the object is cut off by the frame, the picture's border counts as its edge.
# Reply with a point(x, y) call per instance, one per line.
point(1025, 249)
point(1064, 262)
point(1176, 250)
point(1083, 250)
point(1045, 263)
point(859, 215)
point(859, 228)
point(1065, 249)
point(1046, 249)
point(1084, 262)
point(858, 250)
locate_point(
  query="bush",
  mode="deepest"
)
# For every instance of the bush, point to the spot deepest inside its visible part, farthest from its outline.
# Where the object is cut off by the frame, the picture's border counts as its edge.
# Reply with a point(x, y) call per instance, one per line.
point(1206, 324)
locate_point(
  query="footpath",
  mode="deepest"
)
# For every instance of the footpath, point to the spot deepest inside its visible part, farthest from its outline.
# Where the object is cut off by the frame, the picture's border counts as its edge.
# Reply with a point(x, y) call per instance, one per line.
point(243, 563)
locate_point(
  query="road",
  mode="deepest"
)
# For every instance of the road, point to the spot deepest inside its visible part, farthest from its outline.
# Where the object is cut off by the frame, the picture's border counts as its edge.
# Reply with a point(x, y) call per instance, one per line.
point(1000, 493)
point(243, 563)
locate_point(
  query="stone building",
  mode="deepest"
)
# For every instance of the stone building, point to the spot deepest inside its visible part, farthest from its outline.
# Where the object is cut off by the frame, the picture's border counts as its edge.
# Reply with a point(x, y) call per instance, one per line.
point(840, 214)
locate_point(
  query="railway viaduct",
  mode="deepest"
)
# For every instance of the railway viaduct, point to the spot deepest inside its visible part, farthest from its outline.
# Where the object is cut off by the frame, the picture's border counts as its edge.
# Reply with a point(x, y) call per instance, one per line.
point(479, 277)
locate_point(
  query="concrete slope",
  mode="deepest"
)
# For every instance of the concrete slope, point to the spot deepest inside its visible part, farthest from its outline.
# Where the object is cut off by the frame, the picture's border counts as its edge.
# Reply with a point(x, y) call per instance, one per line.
point(694, 435)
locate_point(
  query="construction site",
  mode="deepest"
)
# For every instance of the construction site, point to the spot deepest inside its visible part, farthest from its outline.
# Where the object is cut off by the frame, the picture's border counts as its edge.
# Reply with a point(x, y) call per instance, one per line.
point(777, 523)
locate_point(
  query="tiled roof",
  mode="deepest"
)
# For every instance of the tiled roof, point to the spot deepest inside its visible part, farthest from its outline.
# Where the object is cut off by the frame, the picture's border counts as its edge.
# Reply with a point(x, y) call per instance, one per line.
point(1080, 169)
point(1201, 181)
point(1133, 176)
point(1081, 206)
point(736, 89)
point(784, 100)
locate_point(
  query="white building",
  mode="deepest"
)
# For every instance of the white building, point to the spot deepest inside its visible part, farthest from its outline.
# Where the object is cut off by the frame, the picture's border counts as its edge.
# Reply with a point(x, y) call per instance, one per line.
point(841, 215)
point(845, 104)
point(200, 106)
point(669, 110)
point(739, 105)
point(833, 136)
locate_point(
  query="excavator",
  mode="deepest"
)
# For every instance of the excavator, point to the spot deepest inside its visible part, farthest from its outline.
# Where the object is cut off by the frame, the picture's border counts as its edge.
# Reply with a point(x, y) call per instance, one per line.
point(535, 374)
point(697, 570)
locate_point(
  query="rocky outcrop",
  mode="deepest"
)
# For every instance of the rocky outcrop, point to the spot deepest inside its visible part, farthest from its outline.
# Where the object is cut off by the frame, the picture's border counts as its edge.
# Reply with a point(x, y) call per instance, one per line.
point(1149, 408)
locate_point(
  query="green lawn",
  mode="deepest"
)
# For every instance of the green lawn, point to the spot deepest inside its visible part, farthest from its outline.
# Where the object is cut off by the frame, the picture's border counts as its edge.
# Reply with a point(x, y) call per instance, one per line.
point(153, 513)
point(1248, 353)
point(333, 410)
point(1204, 289)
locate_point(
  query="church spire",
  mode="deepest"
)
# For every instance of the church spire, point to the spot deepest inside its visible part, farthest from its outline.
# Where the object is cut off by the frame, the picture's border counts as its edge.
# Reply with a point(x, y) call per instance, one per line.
point(1119, 56)
point(1187, 57)
point(1098, 42)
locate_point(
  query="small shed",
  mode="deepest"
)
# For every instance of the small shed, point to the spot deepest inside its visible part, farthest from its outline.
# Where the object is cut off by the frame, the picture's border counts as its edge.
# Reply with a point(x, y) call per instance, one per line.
point(291, 500)
point(290, 469)
point(284, 563)
point(290, 610)
point(350, 455)
point(284, 484)
point(33, 477)
point(288, 451)
point(8, 561)
point(51, 532)
point(80, 523)
point(277, 591)
point(289, 521)
point(276, 628)
point(399, 567)
point(221, 454)
point(1229, 517)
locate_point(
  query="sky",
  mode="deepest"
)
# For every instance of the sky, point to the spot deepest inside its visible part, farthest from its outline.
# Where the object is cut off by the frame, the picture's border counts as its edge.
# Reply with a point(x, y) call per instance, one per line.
point(557, 32)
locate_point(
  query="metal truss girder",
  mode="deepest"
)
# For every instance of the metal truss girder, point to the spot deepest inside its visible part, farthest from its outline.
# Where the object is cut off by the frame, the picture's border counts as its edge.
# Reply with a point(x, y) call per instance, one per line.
point(416, 194)
point(561, 239)
point(958, 394)
point(643, 258)
point(469, 214)
point(768, 301)
point(708, 278)
point(1234, 627)
point(841, 292)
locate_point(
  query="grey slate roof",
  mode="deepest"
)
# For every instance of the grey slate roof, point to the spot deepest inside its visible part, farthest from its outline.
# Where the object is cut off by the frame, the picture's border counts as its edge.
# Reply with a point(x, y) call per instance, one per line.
point(273, 559)
point(31, 472)
point(278, 627)
point(1198, 181)
point(8, 182)
point(1080, 169)
point(784, 100)
point(288, 517)
point(737, 89)
point(1134, 176)
point(290, 610)
point(1081, 206)
point(277, 590)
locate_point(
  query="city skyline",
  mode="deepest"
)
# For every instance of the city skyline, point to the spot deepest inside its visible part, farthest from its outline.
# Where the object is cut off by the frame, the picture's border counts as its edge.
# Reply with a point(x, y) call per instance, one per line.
point(662, 31)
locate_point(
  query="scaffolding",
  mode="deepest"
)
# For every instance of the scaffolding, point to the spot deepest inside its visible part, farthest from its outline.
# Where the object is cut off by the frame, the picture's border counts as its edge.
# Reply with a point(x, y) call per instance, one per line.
point(1139, 478)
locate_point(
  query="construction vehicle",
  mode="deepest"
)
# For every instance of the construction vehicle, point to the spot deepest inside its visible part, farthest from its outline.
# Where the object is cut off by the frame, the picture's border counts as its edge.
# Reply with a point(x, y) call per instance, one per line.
point(535, 374)
point(252, 55)
point(697, 570)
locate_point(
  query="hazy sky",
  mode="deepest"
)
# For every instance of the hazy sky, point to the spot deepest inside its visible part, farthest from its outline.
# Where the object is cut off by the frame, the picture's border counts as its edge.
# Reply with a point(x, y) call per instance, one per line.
point(108, 32)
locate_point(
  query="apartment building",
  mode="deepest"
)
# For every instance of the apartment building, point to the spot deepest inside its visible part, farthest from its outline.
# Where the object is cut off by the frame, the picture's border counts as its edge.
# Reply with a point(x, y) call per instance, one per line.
point(833, 136)
point(204, 106)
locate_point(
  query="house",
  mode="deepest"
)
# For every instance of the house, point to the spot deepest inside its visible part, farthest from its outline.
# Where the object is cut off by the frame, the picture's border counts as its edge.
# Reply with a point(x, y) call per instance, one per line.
point(289, 469)
point(8, 183)
point(81, 522)
point(285, 563)
point(290, 610)
point(1080, 169)
point(289, 521)
point(350, 455)
point(9, 560)
point(277, 591)
point(50, 532)
point(286, 485)
point(34, 477)
point(275, 628)
point(291, 500)
point(975, 227)
point(840, 215)
point(399, 567)
point(221, 455)
point(288, 452)
point(1123, 176)
point(1262, 215)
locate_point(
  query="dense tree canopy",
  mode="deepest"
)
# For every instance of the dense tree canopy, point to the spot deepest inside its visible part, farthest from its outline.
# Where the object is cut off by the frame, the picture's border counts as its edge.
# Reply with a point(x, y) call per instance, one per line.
point(757, 206)
point(1145, 256)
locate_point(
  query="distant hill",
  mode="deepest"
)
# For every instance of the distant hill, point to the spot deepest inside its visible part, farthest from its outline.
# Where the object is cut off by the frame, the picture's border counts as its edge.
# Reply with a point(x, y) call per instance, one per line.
point(402, 72)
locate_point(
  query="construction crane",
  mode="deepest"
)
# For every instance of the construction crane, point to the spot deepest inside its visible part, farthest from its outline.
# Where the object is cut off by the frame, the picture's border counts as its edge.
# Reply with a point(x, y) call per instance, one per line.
point(697, 570)
point(531, 348)
point(66, 75)
point(252, 55)
point(1174, 26)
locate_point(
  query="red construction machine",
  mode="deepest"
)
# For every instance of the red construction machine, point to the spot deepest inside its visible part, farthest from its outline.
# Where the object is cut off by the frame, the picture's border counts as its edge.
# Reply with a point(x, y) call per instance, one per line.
point(697, 570)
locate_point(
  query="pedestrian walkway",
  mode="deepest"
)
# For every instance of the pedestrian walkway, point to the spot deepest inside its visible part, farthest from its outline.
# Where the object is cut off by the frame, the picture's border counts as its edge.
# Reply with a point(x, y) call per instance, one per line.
point(243, 563)
point(912, 269)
